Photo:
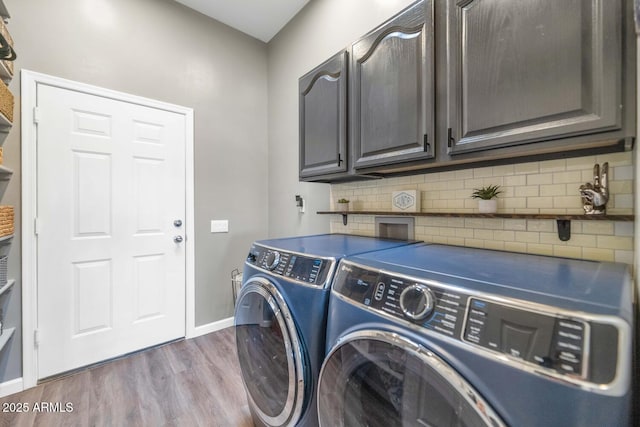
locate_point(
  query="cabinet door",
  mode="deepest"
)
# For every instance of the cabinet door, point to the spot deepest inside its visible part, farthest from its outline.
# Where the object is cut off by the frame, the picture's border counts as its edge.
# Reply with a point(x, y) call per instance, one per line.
point(535, 70)
point(392, 90)
point(323, 118)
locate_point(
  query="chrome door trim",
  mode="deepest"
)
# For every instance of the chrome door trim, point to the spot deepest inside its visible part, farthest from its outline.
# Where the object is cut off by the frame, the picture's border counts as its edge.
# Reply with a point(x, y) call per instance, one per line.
point(620, 384)
point(295, 395)
point(462, 387)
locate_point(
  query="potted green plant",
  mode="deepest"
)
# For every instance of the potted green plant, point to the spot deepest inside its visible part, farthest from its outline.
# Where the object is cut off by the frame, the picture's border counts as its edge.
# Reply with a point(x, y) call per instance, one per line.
point(343, 205)
point(486, 196)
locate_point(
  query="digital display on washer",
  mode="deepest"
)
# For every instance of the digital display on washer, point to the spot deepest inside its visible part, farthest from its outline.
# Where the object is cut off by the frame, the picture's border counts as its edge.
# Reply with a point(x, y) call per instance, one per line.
point(541, 339)
point(304, 269)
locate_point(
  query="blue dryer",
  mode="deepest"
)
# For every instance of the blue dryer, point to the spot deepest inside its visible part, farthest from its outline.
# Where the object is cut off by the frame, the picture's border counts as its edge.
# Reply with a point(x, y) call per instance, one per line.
point(434, 335)
point(280, 321)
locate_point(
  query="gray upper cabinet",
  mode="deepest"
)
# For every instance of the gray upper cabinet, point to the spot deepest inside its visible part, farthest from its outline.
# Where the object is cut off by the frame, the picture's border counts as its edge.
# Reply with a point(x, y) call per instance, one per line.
point(392, 90)
point(528, 71)
point(323, 119)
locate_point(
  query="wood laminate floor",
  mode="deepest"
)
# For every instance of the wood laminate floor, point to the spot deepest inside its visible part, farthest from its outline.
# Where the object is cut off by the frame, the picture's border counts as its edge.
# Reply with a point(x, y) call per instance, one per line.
point(186, 383)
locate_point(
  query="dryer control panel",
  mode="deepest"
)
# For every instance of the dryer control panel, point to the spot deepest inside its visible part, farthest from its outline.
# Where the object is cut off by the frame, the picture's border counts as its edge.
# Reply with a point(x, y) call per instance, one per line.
point(564, 344)
point(297, 267)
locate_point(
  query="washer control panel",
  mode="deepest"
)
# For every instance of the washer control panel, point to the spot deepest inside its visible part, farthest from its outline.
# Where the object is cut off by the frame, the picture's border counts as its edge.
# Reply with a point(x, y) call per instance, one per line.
point(418, 302)
point(540, 338)
point(301, 268)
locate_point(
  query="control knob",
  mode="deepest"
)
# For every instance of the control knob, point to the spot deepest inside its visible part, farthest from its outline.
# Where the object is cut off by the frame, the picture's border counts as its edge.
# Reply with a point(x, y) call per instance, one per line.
point(272, 260)
point(416, 302)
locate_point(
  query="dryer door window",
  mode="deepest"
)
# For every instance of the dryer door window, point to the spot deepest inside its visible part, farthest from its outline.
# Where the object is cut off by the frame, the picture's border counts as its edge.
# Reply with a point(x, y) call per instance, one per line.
point(378, 379)
point(269, 353)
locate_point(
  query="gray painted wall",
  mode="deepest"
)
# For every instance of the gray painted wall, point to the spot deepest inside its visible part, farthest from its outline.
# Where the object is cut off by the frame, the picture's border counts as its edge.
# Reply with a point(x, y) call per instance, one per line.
point(162, 50)
point(321, 29)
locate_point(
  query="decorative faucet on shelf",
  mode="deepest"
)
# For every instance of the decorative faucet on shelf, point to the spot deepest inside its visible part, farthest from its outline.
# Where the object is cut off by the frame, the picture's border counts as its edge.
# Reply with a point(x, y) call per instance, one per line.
point(595, 196)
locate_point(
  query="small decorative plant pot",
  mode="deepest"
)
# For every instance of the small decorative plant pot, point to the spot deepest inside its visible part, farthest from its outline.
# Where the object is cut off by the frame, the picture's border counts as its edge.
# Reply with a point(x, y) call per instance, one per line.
point(488, 206)
point(343, 207)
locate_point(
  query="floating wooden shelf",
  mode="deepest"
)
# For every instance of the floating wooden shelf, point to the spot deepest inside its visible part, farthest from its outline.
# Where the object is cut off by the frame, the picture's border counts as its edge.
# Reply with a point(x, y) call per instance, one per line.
point(5, 173)
point(6, 287)
point(6, 336)
point(5, 127)
point(563, 221)
point(483, 215)
point(4, 13)
point(5, 74)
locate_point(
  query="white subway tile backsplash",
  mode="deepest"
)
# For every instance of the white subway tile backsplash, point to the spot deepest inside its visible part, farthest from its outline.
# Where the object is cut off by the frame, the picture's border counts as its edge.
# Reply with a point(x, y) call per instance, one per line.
point(539, 225)
point(553, 166)
point(615, 242)
point(539, 202)
point(553, 190)
point(539, 249)
point(515, 246)
point(622, 173)
point(503, 170)
point(581, 163)
point(569, 177)
point(615, 159)
point(527, 168)
point(623, 201)
point(596, 254)
point(539, 179)
point(515, 224)
point(549, 187)
point(623, 256)
point(482, 173)
point(624, 229)
point(567, 251)
point(516, 180)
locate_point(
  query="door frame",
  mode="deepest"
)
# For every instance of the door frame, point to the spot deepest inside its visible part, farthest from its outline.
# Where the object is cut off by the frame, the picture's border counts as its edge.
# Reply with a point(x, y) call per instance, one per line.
point(29, 84)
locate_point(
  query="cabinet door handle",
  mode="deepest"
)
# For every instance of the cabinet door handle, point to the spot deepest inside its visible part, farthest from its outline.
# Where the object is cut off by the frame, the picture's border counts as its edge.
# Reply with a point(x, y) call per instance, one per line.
point(339, 159)
point(450, 138)
point(425, 145)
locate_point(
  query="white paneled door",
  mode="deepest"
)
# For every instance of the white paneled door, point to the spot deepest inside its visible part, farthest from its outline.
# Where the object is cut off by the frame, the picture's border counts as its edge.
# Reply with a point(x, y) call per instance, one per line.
point(110, 250)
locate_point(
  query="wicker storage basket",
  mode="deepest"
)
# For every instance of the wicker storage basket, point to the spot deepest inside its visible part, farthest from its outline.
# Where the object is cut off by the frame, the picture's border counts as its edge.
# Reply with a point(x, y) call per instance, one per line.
point(5, 33)
point(6, 102)
point(7, 227)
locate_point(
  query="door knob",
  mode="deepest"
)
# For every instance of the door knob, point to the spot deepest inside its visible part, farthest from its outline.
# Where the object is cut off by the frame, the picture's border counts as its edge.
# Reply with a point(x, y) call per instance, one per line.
point(177, 223)
point(178, 239)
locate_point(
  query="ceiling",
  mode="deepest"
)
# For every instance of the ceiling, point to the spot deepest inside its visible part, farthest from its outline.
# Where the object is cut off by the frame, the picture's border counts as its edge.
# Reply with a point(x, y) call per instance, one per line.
point(261, 19)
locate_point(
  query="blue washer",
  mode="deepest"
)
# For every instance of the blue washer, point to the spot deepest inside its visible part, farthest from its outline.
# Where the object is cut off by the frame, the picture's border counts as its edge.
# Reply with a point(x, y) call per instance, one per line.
point(280, 320)
point(440, 335)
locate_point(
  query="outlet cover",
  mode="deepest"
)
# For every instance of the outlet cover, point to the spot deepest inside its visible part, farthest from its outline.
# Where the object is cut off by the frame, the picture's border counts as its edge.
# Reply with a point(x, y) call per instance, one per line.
point(220, 226)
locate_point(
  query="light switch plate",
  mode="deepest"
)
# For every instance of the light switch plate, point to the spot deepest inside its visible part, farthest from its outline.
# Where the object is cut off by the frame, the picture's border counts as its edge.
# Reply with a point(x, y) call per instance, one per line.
point(220, 226)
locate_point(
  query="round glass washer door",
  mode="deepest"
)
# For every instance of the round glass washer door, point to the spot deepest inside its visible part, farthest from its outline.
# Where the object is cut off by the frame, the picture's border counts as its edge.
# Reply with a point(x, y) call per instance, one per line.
point(379, 379)
point(270, 354)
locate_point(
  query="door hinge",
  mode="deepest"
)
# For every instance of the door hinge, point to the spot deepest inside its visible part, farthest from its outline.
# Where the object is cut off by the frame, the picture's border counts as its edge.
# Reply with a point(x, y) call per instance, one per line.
point(36, 226)
point(450, 140)
point(339, 159)
point(36, 338)
point(36, 115)
point(425, 145)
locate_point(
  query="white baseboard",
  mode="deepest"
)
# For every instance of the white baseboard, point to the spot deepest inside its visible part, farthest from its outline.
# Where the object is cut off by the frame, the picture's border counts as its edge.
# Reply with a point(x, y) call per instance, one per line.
point(11, 387)
point(211, 327)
